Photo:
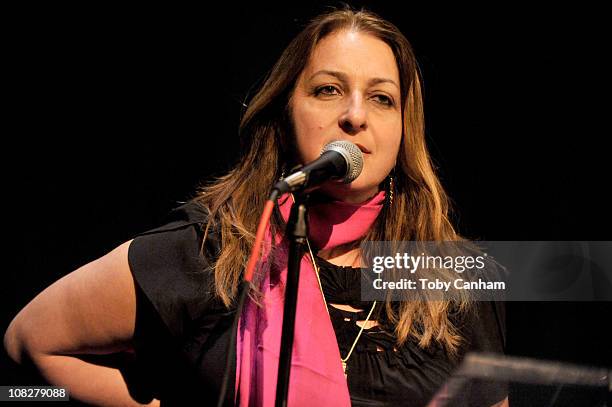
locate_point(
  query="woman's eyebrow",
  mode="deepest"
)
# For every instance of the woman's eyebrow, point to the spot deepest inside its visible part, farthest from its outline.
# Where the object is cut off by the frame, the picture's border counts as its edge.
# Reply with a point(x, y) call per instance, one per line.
point(344, 78)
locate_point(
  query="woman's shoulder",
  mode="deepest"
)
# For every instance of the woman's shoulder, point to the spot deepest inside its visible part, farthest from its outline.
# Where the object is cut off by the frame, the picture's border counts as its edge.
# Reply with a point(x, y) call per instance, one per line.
point(181, 233)
point(185, 214)
point(173, 266)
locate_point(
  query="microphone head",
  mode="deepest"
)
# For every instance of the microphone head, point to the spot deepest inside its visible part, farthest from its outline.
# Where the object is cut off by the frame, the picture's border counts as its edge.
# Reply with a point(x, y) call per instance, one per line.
point(352, 155)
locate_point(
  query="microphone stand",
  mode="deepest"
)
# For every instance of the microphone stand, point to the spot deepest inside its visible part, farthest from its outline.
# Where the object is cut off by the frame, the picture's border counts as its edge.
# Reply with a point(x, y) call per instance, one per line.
point(297, 231)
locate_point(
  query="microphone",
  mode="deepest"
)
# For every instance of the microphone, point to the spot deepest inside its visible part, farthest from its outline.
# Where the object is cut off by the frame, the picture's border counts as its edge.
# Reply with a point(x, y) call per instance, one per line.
point(338, 160)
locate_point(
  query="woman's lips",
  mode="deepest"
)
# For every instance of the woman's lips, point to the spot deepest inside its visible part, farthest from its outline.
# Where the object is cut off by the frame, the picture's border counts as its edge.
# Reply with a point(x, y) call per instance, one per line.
point(362, 148)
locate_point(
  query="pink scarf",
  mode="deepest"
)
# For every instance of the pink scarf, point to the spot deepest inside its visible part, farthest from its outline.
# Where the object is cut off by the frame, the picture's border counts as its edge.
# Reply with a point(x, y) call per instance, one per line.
point(316, 372)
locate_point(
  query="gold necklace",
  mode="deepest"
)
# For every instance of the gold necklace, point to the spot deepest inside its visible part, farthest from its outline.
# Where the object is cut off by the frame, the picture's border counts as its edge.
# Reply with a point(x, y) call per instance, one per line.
point(316, 268)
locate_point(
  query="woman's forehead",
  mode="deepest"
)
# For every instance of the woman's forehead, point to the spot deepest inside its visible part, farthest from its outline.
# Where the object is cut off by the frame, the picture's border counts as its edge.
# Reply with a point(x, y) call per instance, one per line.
point(354, 53)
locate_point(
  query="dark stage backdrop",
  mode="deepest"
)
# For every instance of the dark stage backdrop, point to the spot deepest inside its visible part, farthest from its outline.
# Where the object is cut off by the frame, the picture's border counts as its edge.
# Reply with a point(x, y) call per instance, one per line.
point(113, 115)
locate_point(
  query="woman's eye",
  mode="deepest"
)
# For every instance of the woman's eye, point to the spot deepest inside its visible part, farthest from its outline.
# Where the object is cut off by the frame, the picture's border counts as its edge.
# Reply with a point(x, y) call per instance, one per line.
point(327, 90)
point(382, 99)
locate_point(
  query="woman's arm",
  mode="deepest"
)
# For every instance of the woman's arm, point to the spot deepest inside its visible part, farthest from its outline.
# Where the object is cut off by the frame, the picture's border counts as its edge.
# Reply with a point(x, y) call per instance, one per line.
point(89, 311)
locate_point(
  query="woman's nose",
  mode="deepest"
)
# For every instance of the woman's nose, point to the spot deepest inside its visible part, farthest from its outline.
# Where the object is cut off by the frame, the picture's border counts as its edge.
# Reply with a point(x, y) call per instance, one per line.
point(353, 119)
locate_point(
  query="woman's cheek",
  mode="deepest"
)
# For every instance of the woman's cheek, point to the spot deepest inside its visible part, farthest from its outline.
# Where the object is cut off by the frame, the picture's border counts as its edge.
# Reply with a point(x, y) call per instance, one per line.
point(308, 149)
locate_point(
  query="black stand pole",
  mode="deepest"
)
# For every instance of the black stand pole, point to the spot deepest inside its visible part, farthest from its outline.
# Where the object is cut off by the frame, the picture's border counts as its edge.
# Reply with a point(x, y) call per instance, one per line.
point(297, 231)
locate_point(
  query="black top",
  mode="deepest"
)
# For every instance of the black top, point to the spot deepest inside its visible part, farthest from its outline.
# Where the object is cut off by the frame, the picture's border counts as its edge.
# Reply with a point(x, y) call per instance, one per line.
point(182, 330)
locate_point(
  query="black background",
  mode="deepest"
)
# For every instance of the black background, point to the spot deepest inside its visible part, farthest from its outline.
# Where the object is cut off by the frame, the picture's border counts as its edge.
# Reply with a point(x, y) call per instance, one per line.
point(113, 115)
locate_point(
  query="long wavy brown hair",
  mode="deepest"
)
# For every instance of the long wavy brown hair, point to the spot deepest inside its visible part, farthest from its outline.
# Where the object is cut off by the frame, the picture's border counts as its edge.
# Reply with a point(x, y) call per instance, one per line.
point(420, 207)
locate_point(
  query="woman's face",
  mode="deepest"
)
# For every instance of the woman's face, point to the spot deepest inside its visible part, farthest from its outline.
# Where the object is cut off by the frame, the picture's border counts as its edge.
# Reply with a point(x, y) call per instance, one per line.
point(349, 90)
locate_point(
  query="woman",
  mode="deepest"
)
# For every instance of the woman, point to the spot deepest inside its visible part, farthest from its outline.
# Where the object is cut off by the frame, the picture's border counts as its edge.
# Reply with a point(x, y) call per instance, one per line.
point(168, 296)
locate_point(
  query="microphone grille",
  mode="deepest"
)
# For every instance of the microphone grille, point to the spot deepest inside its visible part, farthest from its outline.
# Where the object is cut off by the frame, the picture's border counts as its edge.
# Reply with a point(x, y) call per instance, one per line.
point(353, 156)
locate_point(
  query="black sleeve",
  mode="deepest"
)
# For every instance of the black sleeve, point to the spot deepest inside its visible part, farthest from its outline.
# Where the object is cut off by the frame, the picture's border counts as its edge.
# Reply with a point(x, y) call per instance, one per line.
point(487, 329)
point(172, 271)
point(178, 319)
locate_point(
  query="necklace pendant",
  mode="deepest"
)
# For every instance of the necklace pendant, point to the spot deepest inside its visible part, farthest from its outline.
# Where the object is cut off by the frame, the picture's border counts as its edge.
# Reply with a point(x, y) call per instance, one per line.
point(344, 368)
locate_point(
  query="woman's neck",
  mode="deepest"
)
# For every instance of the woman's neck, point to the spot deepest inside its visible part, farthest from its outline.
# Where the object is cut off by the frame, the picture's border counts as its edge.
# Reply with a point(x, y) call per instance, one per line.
point(342, 256)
